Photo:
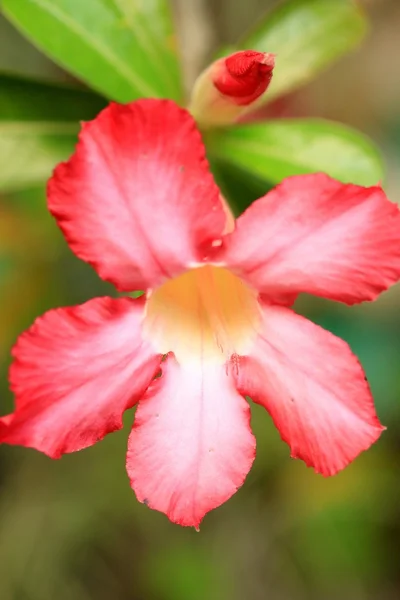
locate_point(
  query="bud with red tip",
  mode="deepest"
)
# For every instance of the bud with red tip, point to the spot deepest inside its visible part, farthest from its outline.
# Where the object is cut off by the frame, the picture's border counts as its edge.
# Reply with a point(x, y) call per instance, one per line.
point(229, 86)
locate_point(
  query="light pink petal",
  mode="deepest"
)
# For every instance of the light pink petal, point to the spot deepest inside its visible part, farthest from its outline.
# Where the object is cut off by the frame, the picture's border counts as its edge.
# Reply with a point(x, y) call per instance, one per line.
point(75, 371)
point(314, 234)
point(313, 387)
point(137, 199)
point(191, 446)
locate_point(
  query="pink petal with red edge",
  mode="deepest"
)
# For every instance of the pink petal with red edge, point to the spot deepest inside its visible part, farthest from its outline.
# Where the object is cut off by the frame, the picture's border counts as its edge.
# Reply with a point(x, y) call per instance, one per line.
point(76, 370)
point(191, 446)
point(313, 387)
point(137, 199)
point(314, 234)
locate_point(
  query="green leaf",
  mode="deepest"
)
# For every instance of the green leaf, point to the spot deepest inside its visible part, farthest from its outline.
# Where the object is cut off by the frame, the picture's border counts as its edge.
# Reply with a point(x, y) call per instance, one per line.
point(122, 48)
point(38, 129)
point(19, 57)
point(306, 36)
point(276, 149)
point(32, 101)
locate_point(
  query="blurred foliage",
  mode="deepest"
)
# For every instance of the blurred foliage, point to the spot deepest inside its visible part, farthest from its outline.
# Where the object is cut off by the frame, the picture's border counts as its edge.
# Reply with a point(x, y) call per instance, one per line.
point(279, 148)
point(72, 529)
point(121, 48)
point(38, 128)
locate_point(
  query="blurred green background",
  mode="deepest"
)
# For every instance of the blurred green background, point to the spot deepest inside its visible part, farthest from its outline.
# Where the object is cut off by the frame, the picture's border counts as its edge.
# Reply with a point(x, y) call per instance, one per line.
point(72, 529)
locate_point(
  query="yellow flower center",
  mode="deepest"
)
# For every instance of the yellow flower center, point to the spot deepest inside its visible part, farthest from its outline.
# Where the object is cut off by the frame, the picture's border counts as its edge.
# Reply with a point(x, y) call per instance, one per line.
point(207, 312)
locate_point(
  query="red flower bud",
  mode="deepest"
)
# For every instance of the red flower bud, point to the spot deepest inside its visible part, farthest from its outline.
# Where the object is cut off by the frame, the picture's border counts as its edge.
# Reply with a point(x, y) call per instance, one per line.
point(244, 76)
point(229, 86)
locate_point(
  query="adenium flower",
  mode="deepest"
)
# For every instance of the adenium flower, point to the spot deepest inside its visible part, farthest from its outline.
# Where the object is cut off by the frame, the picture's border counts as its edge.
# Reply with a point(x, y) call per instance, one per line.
point(138, 202)
point(230, 86)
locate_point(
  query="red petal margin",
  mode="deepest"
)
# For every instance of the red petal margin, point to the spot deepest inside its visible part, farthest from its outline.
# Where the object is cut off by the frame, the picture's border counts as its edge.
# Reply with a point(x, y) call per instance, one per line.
point(137, 199)
point(75, 372)
point(191, 446)
point(314, 234)
point(314, 388)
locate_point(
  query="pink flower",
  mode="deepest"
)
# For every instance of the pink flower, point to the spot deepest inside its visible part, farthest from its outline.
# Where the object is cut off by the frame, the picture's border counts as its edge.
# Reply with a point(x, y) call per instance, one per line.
point(138, 202)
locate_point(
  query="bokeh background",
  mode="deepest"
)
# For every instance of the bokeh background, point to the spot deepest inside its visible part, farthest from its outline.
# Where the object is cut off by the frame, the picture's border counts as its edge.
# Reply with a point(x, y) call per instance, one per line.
point(73, 530)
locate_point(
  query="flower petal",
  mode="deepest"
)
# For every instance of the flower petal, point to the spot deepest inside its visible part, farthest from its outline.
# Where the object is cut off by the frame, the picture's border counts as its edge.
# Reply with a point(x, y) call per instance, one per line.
point(191, 446)
point(137, 199)
point(75, 372)
point(314, 234)
point(313, 387)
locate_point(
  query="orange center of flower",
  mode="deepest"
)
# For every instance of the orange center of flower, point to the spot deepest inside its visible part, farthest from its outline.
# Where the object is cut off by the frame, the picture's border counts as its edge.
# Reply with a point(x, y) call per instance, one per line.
point(206, 313)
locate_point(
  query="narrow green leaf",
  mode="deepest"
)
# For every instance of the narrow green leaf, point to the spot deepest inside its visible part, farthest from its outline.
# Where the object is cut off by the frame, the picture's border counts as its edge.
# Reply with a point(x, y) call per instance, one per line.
point(306, 36)
point(38, 127)
point(32, 101)
point(122, 48)
point(19, 57)
point(276, 149)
